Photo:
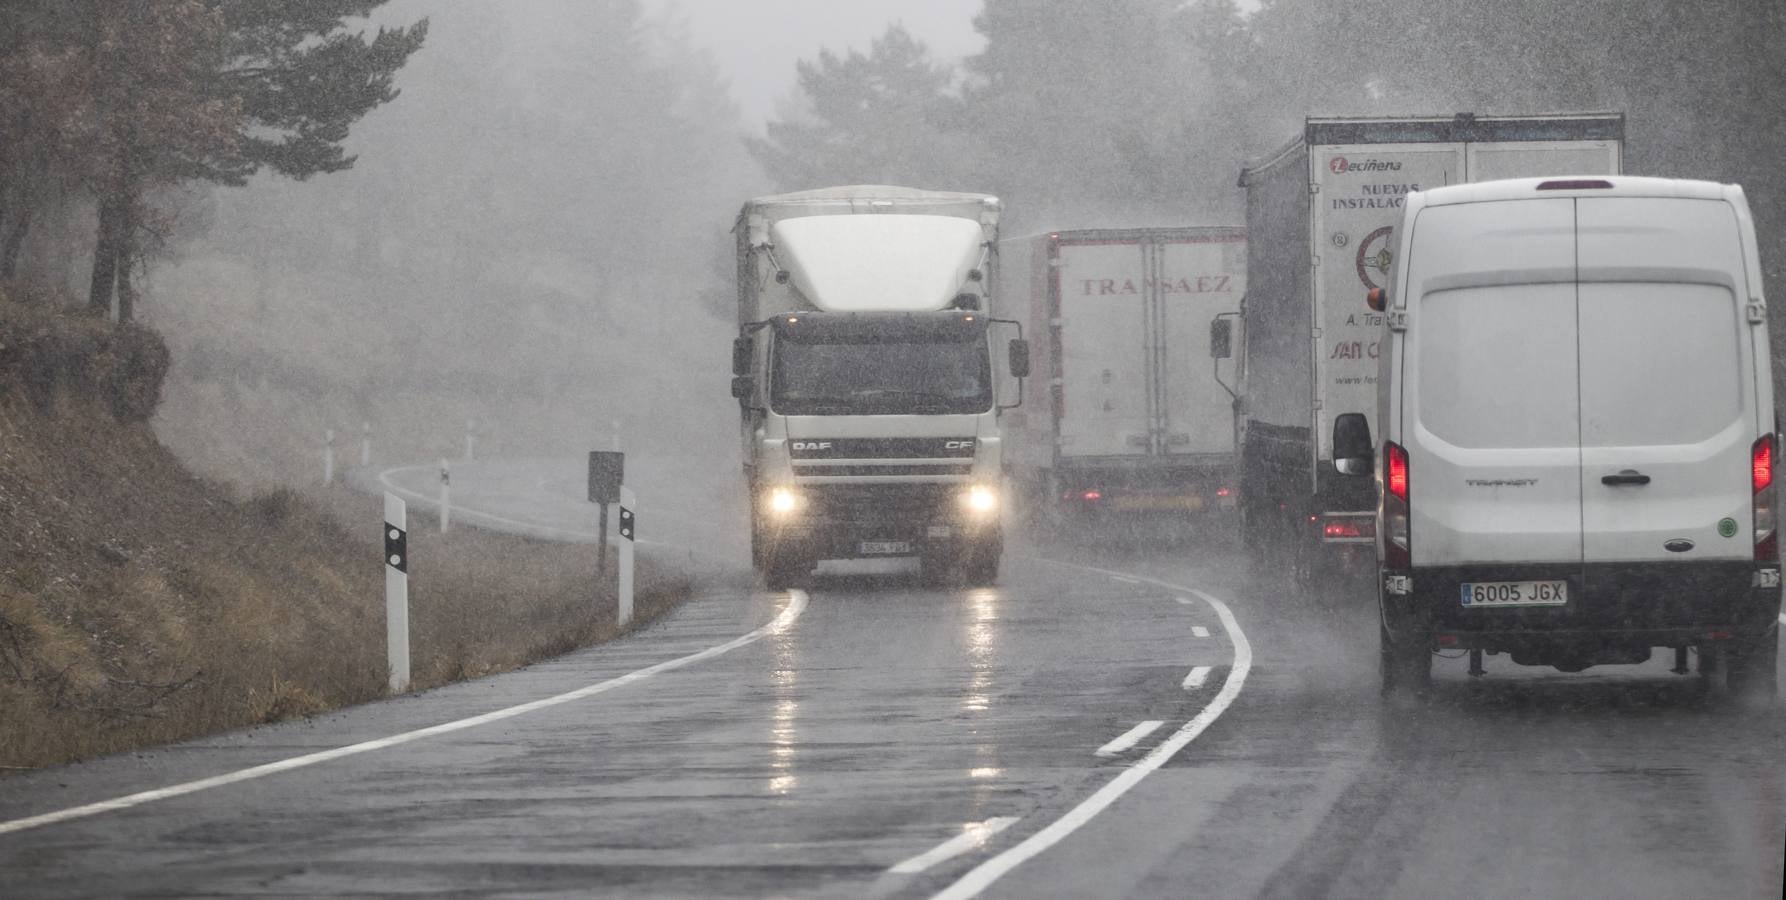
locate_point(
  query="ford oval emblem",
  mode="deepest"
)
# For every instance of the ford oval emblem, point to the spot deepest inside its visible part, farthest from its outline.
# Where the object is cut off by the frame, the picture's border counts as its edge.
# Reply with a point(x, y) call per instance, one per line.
point(1678, 545)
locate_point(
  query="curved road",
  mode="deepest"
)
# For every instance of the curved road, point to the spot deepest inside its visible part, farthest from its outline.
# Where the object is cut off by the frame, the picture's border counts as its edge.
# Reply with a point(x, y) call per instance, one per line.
point(1114, 719)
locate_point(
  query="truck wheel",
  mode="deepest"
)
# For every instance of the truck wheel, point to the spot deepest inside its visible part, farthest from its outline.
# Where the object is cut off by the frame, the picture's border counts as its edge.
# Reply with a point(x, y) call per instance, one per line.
point(1752, 667)
point(980, 567)
point(1406, 667)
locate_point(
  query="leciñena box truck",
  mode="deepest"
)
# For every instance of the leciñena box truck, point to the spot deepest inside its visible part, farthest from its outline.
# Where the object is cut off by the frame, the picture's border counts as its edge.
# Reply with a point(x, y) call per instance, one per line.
point(1133, 328)
point(1321, 217)
point(869, 392)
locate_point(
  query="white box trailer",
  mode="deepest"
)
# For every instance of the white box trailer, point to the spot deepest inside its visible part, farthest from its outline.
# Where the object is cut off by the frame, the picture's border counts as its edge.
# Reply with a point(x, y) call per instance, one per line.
point(1137, 418)
point(1321, 218)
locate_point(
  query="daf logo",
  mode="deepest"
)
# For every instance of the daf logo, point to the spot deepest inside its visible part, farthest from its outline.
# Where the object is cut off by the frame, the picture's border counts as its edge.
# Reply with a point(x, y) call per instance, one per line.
point(812, 445)
point(958, 445)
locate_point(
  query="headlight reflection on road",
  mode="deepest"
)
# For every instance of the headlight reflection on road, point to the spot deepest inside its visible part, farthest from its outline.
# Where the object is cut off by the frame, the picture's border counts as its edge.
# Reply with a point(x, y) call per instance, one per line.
point(782, 731)
point(982, 633)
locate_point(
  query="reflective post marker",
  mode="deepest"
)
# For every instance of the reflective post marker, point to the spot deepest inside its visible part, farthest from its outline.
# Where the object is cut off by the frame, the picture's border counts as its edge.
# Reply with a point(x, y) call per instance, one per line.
point(328, 456)
point(365, 443)
point(446, 496)
point(396, 591)
point(628, 526)
point(470, 438)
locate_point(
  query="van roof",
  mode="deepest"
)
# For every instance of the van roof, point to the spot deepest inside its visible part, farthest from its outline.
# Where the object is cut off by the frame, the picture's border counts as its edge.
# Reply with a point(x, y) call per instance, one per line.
point(1621, 186)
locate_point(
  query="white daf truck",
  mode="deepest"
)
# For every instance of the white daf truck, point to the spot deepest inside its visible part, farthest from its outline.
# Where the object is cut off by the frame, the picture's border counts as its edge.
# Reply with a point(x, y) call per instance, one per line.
point(1133, 329)
point(1321, 218)
point(1578, 437)
point(868, 386)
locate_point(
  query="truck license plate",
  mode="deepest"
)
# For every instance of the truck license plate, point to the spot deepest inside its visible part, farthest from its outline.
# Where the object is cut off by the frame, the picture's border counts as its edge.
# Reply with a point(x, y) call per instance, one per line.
point(1151, 503)
point(1515, 593)
point(885, 548)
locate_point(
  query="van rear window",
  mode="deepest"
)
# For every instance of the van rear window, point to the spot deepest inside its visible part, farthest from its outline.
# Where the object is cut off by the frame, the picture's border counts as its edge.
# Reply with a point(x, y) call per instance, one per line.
point(1660, 363)
point(1496, 366)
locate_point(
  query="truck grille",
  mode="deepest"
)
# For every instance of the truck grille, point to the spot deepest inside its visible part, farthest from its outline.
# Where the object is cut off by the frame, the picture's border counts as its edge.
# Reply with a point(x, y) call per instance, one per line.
point(803, 469)
point(880, 502)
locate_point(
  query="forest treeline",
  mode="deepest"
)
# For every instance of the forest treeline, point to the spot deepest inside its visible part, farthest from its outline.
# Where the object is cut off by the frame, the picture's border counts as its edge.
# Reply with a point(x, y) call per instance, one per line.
point(109, 104)
point(1111, 112)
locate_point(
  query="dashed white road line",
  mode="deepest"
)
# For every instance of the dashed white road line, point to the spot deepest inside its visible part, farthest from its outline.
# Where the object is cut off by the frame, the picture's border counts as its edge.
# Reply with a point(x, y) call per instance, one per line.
point(1199, 631)
point(974, 835)
point(1195, 679)
point(983, 875)
point(1186, 601)
point(796, 605)
point(1128, 738)
point(1783, 618)
point(1126, 579)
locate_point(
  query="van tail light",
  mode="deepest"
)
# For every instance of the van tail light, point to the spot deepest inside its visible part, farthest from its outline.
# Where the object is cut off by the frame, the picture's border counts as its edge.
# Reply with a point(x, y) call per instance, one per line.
point(1761, 474)
point(1397, 550)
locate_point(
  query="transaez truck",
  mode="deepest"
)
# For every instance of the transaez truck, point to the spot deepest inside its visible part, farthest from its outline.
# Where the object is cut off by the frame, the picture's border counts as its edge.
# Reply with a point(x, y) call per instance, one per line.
point(1321, 217)
point(867, 386)
point(1134, 332)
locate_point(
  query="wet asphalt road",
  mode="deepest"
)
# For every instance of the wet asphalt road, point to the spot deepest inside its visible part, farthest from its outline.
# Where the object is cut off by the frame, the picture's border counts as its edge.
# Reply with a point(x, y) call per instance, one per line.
point(871, 725)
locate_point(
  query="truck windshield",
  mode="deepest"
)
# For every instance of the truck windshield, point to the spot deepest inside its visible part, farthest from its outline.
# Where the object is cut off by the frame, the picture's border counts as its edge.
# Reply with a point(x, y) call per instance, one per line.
point(881, 377)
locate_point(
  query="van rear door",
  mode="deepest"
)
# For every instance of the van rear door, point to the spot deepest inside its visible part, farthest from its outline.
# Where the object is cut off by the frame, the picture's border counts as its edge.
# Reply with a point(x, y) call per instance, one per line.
point(1669, 414)
point(1490, 409)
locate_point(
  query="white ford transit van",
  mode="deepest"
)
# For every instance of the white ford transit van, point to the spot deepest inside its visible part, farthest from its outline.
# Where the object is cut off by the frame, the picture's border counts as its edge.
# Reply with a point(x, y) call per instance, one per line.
point(1579, 443)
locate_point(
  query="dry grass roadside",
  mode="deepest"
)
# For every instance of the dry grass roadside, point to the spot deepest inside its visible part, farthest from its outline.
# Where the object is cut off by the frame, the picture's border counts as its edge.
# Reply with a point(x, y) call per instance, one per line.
point(141, 605)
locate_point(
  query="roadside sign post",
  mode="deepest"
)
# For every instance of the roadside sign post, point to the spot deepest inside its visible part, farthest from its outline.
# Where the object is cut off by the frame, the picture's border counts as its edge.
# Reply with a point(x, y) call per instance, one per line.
point(628, 528)
point(396, 591)
point(606, 470)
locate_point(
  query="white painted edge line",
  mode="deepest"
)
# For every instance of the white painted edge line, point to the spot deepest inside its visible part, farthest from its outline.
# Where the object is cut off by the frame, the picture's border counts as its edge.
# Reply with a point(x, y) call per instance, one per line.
point(796, 605)
point(1128, 738)
point(974, 835)
point(982, 876)
point(1199, 631)
point(1195, 678)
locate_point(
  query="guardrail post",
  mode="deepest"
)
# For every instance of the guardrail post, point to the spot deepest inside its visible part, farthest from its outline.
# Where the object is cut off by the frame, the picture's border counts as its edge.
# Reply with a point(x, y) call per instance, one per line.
point(446, 496)
point(396, 591)
point(629, 503)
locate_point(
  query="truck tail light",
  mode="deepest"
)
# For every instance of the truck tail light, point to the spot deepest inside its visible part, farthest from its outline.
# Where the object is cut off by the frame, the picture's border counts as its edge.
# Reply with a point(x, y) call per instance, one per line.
point(1338, 528)
point(1761, 478)
point(1397, 548)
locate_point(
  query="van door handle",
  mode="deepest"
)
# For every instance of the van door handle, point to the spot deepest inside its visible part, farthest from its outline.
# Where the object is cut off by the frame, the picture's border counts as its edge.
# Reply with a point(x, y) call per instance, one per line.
point(1629, 476)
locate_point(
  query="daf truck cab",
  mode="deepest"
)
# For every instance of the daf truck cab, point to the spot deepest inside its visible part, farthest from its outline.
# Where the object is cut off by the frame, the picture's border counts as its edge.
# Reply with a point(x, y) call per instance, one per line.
point(1578, 446)
point(870, 393)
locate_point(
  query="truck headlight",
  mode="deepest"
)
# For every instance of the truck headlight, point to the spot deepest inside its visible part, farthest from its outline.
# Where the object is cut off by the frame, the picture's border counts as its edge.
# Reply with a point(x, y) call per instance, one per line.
point(783, 501)
point(980, 500)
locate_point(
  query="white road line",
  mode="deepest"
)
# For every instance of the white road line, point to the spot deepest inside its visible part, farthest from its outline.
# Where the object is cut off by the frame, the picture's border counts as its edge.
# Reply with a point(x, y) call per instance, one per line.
point(1199, 631)
point(1185, 600)
point(1783, 618)
point(1195, 679)
point(796, 605)
point(1128, 738)
point(1125, 578)
point(982, 876)
point(974, 835)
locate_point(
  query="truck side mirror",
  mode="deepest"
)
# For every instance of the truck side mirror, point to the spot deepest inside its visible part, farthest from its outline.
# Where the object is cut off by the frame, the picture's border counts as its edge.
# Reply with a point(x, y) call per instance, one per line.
point(1221, 339)
point(1377, 299)
point(1019, 358)
point(1353, 452)
point(742, 386)
point(741, 353)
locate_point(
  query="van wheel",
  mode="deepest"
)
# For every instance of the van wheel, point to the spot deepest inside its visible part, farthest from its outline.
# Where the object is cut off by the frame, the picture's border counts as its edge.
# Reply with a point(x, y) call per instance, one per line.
point(1752, 667)
point(1406, 667)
